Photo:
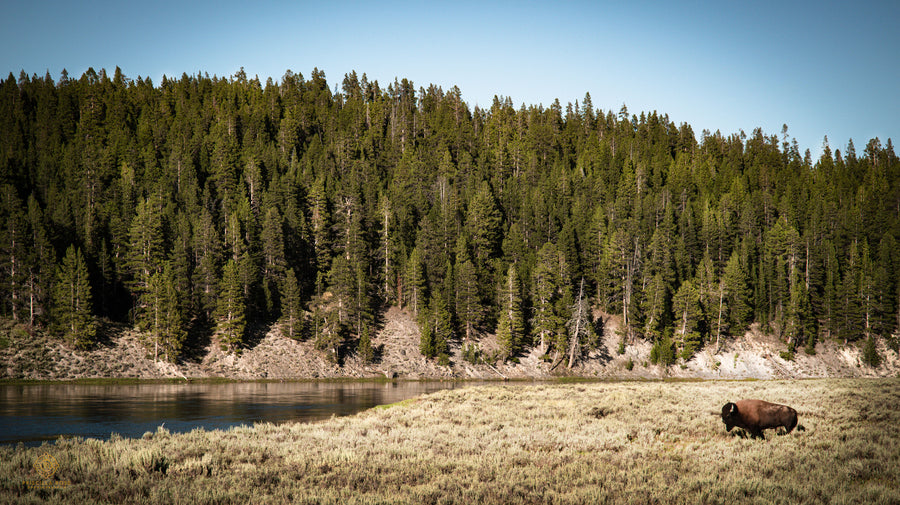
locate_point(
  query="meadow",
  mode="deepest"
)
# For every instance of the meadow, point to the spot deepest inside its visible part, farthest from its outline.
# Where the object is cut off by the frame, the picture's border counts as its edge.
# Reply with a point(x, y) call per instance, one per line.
point(594, 442)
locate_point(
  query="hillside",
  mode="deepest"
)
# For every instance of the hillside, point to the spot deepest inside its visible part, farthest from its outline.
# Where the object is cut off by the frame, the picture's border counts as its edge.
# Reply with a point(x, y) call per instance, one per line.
point(230, 201)
point(755, 355)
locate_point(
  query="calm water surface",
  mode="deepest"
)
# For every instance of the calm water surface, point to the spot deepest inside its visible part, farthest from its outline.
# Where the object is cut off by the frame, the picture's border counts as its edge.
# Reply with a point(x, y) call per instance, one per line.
point(35, 413)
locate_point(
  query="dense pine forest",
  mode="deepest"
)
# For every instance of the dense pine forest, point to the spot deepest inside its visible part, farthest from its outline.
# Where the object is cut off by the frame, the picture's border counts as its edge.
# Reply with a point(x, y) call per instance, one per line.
point(204, 206)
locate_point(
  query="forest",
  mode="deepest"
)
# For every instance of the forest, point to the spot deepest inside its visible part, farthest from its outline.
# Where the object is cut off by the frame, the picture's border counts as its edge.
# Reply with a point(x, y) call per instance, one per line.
point(204, 206)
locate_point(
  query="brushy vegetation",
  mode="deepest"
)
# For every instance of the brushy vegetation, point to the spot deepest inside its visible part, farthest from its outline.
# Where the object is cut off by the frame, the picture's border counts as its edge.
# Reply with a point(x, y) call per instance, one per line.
point(644, 442)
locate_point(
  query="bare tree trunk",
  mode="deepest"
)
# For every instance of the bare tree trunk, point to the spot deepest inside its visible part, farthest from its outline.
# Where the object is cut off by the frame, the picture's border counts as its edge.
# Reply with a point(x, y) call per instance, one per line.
point(579, 319)
point(719, 324)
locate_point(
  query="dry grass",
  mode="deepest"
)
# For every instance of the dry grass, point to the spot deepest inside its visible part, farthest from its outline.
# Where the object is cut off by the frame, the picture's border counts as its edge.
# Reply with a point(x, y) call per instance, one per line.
point(642, 442)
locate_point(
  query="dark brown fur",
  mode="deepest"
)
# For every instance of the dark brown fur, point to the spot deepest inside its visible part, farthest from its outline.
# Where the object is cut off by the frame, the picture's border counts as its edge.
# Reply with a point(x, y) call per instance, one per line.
point(754, 416)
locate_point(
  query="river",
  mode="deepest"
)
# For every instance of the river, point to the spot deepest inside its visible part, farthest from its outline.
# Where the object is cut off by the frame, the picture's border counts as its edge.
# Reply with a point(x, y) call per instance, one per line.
point(32, 414)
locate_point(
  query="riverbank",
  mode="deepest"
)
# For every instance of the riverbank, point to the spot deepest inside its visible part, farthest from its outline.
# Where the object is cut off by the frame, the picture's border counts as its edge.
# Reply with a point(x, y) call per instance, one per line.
point(626, 442)
point(272, 356)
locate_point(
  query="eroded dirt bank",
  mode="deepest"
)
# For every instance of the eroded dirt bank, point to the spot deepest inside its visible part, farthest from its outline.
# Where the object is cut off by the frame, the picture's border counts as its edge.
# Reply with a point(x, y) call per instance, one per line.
point(274, 356)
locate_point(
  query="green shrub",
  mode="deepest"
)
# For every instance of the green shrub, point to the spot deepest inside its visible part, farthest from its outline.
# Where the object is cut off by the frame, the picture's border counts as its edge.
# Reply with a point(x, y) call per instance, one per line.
point(787, 355)
point(629, 364)
point(472, 353)
point(621, 348)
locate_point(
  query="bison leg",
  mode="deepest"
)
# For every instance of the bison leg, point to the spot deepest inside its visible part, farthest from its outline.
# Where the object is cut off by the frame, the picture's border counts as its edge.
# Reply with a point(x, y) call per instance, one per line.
point(792, 423)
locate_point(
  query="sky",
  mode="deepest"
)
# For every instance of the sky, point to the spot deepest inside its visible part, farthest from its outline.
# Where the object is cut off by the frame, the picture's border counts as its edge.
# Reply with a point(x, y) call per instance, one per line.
point(822, 68)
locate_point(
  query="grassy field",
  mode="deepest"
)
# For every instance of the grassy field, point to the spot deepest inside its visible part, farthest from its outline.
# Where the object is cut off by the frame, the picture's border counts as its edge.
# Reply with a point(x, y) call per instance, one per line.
point(626, 442)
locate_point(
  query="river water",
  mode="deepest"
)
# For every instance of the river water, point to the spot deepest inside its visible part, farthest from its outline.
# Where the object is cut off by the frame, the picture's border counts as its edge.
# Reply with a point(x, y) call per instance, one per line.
point(32, 414)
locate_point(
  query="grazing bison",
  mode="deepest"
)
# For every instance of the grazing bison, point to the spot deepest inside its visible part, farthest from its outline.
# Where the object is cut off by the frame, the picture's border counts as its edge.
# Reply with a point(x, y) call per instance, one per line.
point(757, 415)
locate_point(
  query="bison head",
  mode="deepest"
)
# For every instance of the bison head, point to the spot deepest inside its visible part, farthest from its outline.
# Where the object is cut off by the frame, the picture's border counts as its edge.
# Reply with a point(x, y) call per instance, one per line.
point(729, 415)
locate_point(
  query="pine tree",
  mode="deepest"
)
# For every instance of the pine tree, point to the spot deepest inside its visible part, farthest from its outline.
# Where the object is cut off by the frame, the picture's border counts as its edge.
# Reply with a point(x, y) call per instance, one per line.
point(146, 243)
point(621, 263)
point(483, 226)
point(273, 261)
point(737, 295)
point(364, 349)
point(72, 300)
point(342, 286)
point(511, 327)
point(291, 309)
point(14, 253)
point(436, 330)
point(688, 311)
point(161, 315)
point(231, 308)
point(415, 282)
point(321, 224)
point(581, 327)
point(468, 304)
point(547, 292)
point(654, 307)
point(40, 269)
point(207, 254)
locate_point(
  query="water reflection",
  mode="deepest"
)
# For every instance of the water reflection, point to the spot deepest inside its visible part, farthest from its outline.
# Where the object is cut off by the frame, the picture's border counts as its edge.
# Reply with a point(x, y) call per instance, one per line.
point(34, 413)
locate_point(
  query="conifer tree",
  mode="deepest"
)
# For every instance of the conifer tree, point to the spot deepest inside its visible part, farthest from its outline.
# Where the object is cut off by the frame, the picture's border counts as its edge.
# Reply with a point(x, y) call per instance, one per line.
point(146, 243)
point(511, 327)
point(581, 327)
point(207, 253)
point(161, 316)
point(72, 300)
point(415, 282)
point(546, 321)
point(291, 309)
point(40, 268)
point(14, 249)
point(468, 304)
point(365, 349)
point(688, 311)
point(737, 295)
point(654, 306)
point(483, 226)
point(231, 308)
point(273, 261)
point(436, 330)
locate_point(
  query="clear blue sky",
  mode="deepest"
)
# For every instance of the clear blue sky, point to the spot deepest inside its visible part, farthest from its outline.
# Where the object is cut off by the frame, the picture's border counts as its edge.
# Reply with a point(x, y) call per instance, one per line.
point(822, 68)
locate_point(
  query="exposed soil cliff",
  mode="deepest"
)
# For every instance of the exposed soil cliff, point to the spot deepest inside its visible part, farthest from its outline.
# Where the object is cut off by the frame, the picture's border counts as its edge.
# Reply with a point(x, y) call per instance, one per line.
point(274, 356)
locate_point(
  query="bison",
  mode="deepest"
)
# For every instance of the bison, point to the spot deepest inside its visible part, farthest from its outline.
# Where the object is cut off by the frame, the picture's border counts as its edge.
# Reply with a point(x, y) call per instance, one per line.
point(754, 416)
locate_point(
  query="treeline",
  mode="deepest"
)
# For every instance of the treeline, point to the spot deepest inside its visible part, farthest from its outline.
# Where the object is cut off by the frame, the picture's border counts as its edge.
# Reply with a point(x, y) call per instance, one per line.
point(201, 205)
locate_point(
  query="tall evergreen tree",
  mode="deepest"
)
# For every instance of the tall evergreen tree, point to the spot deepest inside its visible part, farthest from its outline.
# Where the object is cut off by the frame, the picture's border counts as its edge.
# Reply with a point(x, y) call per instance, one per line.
point(468, 304)
point(40, 268)
point(547, 292)
point(72, 300)
point(436, 330)
point(14, 253)
point(273, 261)
point(581, 327)
point(415, 282)
point(688, 311)
point(231, 308)
point(291, 309)
point(161, 316)
point(511, 328)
